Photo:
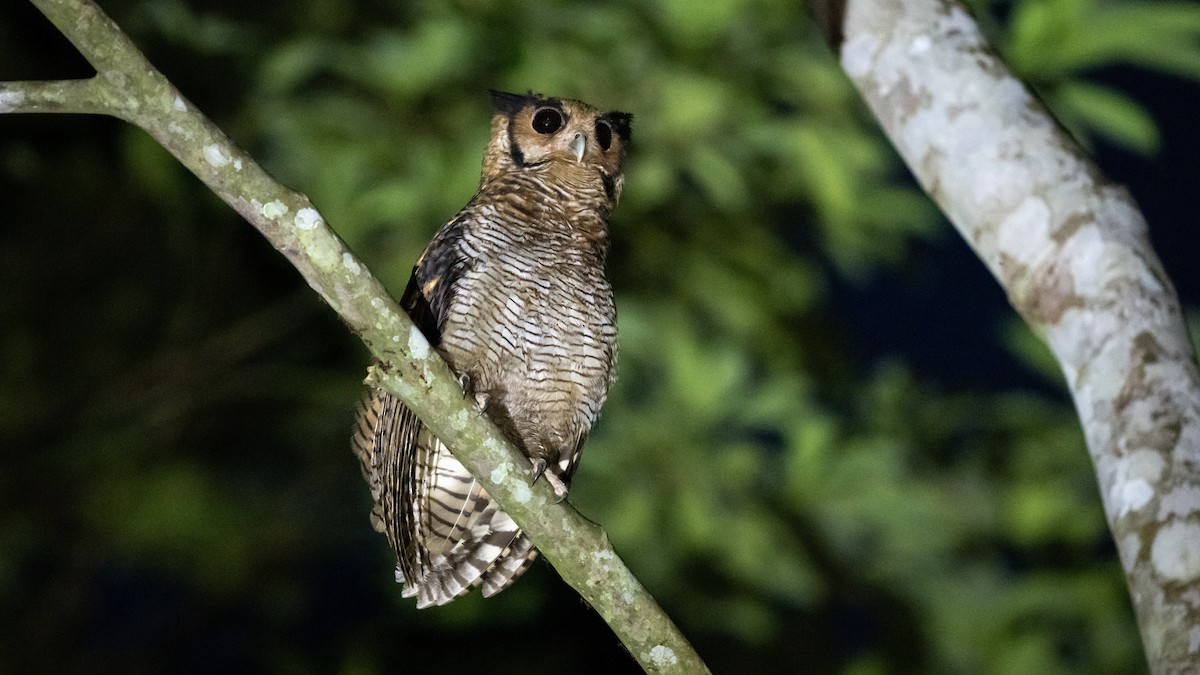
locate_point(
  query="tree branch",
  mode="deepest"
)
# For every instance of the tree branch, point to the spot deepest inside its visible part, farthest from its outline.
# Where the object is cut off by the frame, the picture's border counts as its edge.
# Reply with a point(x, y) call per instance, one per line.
point(1071, 250)
point(128, 87)
point(62, 96)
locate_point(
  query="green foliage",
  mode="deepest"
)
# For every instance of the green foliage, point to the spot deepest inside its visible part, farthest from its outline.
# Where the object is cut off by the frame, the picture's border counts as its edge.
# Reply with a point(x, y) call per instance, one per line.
point(176, 407)
point(1055, 42)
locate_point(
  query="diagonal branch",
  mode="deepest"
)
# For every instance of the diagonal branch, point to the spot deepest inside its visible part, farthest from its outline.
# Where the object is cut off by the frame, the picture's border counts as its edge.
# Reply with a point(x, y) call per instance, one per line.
point(128, 87)
point(1071, 250)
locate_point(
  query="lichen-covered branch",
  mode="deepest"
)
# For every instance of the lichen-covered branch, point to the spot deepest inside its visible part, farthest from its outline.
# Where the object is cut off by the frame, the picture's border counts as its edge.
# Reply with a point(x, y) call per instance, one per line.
point(1071, 250)
point(128, 87)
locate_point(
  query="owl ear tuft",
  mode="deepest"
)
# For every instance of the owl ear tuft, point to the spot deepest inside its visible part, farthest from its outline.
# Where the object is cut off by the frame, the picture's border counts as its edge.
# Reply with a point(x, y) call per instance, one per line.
point(620, 122)
point(508, 104)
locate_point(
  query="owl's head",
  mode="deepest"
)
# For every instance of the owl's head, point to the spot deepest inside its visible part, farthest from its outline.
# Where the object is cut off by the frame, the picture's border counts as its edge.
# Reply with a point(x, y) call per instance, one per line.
point(533, 130)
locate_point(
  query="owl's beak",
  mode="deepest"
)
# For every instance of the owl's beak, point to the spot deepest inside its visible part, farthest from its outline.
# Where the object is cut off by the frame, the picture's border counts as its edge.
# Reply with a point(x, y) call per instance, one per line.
point(578, 145)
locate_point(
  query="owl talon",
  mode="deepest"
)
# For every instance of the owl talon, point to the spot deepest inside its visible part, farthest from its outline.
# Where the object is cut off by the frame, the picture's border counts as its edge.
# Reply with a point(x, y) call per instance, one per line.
point(560, 488)
point(468, 390)
point(539, 470)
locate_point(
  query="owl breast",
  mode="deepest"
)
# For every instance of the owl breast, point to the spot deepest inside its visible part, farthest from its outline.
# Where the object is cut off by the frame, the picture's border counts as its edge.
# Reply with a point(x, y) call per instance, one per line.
point(536, 336)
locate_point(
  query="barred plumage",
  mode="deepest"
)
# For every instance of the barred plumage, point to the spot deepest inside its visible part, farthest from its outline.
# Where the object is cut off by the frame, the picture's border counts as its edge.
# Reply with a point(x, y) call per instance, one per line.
point(513, 294)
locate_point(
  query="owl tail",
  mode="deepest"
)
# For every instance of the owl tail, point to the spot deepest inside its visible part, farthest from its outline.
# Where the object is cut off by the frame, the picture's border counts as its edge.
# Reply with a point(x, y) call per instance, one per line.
point(448, 534)
point(468, 564)
point(509, 566)
point(452, 576)
point(462, 538)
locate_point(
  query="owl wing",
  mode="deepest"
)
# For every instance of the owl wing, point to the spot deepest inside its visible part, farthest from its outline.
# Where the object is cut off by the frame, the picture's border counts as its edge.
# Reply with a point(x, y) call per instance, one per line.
point(383, 426)
point(448, 534)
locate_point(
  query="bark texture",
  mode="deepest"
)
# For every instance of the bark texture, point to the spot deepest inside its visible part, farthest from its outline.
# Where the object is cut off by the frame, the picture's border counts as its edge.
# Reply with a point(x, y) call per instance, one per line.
point(1072, 252)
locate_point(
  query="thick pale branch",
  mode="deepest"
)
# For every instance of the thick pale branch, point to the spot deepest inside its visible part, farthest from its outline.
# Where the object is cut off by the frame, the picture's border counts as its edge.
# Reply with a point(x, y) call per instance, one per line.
point(128, 87)
point(1071, 250)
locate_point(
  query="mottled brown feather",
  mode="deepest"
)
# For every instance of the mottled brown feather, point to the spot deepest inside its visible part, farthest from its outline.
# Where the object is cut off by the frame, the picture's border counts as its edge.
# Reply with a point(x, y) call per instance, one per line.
point(512, 292)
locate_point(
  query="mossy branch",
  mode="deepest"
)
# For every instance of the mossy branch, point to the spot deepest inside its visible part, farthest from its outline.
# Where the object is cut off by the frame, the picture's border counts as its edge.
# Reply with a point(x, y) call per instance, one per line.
point(128, 87)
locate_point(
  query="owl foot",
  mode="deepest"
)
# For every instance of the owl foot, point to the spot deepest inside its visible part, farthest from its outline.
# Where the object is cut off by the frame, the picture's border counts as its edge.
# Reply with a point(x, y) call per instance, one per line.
point(468, 390)
point(539, 470)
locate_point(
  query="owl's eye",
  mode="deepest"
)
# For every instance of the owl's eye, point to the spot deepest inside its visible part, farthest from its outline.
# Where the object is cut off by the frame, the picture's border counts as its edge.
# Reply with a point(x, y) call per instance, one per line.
point(603, 135)
point(547, 121)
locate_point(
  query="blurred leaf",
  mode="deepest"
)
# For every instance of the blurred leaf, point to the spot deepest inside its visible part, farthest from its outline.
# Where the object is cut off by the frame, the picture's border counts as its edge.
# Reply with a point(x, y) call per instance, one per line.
point(1052, 36)
point(203, 31)
point(1104, 112)
point(410, 64)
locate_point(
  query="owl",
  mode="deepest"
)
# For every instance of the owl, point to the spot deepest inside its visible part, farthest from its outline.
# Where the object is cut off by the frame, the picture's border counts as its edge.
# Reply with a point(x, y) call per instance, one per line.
point(512, 292)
